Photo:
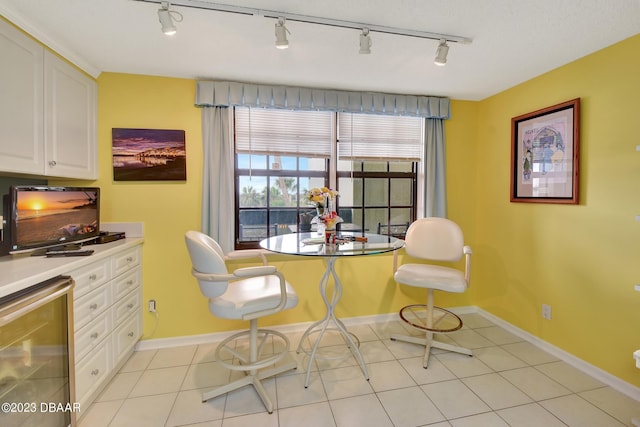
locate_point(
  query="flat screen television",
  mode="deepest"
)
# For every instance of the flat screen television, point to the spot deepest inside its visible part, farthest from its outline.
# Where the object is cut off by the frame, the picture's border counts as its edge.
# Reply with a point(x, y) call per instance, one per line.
point(43, 217)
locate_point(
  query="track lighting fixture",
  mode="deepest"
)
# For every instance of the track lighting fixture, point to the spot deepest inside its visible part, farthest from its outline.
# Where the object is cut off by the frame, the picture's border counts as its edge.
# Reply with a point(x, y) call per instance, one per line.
point(167, 17)
point(281, 34)
point(365, 42)
point(441, 53)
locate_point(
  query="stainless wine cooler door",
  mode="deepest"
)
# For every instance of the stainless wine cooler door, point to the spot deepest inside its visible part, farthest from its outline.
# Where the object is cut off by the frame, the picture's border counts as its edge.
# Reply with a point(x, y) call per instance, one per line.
point(36, 357)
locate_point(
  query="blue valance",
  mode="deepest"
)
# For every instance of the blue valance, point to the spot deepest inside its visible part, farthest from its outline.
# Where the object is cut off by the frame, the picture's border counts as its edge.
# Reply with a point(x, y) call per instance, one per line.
point(221, 94)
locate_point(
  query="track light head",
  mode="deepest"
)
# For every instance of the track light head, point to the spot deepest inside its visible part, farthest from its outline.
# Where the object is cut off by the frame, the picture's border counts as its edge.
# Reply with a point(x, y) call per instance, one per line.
point(166, 18)
point(281, 34)
point(365, 42)
point(441, 53)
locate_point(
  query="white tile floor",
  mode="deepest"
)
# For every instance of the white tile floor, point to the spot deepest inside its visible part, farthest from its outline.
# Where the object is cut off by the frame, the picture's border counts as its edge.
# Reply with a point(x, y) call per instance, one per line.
point(508, 382)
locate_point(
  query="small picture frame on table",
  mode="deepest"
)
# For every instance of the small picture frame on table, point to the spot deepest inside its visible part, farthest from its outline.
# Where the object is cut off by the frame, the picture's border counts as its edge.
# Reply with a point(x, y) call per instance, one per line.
point(545, 155)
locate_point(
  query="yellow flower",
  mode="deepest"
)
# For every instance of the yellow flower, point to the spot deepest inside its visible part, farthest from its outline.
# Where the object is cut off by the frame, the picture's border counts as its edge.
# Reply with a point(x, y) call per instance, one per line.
point(318, 195)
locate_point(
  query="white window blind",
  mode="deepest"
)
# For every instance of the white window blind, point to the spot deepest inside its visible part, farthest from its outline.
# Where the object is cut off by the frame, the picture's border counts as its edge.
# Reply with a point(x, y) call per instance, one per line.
point(284, 132)
point(374, 137)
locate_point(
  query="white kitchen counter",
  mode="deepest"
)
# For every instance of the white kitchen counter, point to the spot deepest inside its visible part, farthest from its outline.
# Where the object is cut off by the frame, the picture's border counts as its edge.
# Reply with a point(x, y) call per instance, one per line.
point(21, 271)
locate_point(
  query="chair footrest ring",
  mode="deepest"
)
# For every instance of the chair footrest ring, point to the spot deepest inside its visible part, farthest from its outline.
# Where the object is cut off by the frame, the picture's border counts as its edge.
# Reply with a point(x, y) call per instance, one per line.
point(443, 321)
point(245, 362)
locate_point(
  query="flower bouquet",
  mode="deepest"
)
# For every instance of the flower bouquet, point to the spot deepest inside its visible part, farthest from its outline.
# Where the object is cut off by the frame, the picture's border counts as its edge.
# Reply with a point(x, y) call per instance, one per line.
point(323, 200)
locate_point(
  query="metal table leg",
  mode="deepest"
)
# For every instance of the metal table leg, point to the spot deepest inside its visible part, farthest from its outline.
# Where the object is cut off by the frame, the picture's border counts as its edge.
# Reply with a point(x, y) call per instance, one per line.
point(330, 301)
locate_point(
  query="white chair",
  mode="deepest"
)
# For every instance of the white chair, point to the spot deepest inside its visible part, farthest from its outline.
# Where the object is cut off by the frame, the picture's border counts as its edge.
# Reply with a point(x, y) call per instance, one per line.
point(247, 293)
point(433, 240)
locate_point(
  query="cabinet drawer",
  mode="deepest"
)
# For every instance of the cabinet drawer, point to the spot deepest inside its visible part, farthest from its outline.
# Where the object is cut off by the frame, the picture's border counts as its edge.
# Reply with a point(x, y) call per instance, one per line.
point(126, 306)
point(126, 283)
point(89, 277)
point(125, 261)
point(92, 334)
point(89, 306)
point(91, 372)
point(126, 337)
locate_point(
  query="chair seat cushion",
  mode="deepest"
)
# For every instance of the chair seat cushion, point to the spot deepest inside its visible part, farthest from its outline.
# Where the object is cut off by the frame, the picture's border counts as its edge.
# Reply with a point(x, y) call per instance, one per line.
point(249, 296)
point(431, 276)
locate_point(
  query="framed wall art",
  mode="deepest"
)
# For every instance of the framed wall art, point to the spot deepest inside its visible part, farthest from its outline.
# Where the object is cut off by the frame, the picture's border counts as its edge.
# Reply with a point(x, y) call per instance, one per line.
point(545, 154)
point(148, 155)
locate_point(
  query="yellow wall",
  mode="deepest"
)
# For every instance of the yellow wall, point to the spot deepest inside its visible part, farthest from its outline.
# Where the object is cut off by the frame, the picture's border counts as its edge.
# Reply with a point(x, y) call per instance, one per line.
point(582, 260)
point(168, 209)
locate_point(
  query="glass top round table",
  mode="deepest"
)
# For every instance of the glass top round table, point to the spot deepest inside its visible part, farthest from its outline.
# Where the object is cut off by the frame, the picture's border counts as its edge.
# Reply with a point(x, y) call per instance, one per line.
point(348, 244)
point(310, 244)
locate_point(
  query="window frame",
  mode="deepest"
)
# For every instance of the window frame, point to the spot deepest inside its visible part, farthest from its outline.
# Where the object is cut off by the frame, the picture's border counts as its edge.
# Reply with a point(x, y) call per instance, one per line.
point(331, 176)
point(387, 175)
point(268, 173)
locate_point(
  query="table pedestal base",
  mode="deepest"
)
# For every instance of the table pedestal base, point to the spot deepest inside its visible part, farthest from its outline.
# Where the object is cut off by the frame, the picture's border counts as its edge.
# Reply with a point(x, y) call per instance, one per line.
point(330, 322)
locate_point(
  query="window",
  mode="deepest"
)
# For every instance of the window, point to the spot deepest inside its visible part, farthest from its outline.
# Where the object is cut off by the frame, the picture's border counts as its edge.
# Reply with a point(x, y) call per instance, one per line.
point(379, 197)
point(280, 154)
point(269, 194)
point(377, 170)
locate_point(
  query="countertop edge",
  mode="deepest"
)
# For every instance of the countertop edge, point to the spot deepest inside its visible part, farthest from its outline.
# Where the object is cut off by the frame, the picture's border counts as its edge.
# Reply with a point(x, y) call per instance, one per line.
point(18, 272)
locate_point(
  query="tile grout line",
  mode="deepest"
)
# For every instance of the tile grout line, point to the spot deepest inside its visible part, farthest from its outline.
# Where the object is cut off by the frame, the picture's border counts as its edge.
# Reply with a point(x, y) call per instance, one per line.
point(383, 340)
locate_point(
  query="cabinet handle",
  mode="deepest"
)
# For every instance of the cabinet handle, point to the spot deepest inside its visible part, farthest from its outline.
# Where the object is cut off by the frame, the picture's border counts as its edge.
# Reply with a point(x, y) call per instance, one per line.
point(130, 305)
point(130, 334)
point(52, 163)
point(129, 282)
point(95, 372)
point(94, 335)
point(93, 306)
point(93, 277)
point(129, 259)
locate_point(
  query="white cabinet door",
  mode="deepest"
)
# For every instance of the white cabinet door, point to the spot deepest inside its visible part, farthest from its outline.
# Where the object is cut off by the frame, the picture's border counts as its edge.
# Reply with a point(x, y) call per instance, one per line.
point(21, 102)
point(70, 128)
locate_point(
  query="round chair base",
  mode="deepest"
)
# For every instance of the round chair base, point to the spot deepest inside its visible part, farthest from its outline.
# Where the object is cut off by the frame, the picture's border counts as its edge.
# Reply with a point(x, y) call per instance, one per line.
point(244, 358)
point(444, 321)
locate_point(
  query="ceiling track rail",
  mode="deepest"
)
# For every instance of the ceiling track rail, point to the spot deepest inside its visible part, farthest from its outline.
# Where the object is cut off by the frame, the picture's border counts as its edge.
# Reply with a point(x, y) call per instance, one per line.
point(197, 4)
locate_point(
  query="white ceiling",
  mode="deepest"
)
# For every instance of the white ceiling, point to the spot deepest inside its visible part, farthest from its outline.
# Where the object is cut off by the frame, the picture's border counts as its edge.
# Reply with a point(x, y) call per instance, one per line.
point(512, 41)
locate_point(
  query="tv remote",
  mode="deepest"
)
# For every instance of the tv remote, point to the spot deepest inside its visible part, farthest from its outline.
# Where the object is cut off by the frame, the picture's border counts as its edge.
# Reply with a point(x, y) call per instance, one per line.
point(85, 252)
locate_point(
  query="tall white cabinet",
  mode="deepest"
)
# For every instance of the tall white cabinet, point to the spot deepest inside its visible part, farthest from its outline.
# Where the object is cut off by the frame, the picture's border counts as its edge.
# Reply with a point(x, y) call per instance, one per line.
point(47, 112)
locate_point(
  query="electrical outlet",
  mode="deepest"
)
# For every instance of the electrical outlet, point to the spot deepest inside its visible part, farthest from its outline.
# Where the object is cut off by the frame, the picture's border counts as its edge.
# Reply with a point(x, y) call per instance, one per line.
point(546, 311)
point(152, 305)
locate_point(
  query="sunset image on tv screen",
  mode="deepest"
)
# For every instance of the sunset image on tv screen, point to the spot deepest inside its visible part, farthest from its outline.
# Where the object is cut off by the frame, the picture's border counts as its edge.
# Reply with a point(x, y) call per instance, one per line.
point(55, 215)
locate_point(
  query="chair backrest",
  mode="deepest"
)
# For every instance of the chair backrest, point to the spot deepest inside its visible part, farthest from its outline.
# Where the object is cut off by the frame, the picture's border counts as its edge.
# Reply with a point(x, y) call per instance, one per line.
point(207, 257)
point(395, 230)
point(437, 239)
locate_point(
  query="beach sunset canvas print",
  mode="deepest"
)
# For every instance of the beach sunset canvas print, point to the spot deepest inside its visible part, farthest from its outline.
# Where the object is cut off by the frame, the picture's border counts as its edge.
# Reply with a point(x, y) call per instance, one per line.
point(149, 155)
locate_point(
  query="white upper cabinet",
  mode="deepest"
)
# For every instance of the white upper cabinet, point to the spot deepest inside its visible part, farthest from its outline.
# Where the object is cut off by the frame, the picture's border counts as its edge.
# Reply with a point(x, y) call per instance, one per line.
point(21, 102)
point(69, 121)
point(47, 112)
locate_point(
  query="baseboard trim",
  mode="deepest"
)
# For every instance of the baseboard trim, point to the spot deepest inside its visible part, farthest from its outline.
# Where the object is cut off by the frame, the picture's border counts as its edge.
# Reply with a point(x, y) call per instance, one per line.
point(160, 343)
point(589, 369)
